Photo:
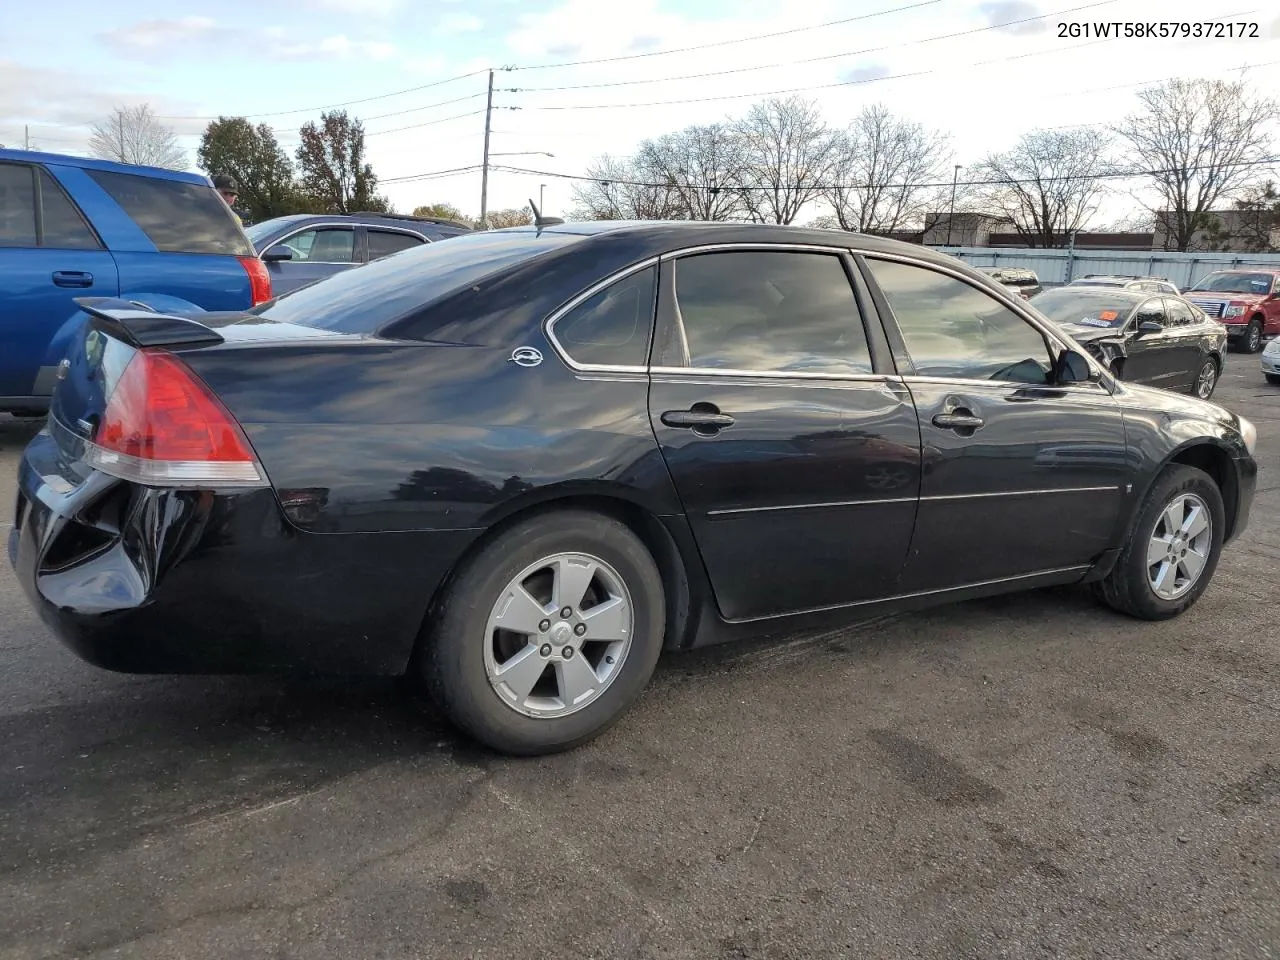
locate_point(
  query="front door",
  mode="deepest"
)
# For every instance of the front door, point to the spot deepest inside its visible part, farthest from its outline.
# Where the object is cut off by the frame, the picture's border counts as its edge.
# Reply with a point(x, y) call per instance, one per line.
point(1151, 358)
point(1020, 477)
point(316, 253)
point(796, 457)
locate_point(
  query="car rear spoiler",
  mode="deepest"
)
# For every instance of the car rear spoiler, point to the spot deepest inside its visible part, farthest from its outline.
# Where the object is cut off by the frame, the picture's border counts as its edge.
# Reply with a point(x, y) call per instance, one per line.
point(140, 326)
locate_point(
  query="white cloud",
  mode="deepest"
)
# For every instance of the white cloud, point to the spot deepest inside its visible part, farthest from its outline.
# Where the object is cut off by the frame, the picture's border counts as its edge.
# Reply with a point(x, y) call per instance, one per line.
point(456, 23)
point(339, 47)
point(375, 8)
point(1009, 11)
point(165, 34)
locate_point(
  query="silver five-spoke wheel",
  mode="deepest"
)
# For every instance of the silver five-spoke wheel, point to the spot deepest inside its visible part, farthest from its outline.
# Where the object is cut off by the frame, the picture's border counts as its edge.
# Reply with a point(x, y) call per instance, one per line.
point(1179, 547)
point(558, 635)
point(1207, 380)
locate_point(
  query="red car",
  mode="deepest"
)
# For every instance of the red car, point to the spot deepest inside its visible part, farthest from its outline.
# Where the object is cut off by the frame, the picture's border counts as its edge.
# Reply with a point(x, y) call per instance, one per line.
point(1246, 301)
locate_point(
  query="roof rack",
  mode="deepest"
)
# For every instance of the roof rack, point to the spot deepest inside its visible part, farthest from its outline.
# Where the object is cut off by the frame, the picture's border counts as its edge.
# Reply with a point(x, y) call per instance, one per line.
point(442, 221)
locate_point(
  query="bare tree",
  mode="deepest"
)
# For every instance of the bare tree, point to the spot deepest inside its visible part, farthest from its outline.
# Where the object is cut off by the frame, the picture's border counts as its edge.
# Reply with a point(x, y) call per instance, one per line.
point(702, 165)
point(1049, 185)
point(511, 217)
point(135, 135)
point(790, 152)
point(882, 171)
point(618, 190)
point(1199, 142)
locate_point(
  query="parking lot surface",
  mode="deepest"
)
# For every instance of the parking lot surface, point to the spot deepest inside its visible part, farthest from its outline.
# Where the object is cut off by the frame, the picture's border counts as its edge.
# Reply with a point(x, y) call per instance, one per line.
point(1019, 777)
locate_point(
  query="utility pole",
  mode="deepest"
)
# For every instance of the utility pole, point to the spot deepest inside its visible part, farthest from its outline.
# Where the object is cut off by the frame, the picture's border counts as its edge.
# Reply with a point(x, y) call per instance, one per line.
point(484, 168)
point(952, 215)
point(26, 137)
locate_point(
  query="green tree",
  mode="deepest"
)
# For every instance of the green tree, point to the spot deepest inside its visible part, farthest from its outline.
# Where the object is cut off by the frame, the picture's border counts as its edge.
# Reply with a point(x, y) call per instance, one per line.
point(234, 147)
point(1260, 219)
point(332, 171)
point(443, 211)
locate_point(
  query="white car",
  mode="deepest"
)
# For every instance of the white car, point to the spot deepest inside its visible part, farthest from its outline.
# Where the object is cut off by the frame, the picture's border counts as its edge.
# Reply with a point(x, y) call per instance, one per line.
point(1271, 361)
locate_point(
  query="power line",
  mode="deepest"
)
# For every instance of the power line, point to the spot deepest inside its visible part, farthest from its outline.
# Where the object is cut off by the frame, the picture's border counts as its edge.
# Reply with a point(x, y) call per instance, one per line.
point(347, 103)
point(839, 56)
point(431, 175)
point(719, 188)
point(725, 43)
point(429, 123)
point(824, 86)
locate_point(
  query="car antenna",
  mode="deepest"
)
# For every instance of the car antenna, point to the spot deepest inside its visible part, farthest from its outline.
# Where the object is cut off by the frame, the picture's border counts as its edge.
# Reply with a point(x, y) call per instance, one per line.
point(539, 220)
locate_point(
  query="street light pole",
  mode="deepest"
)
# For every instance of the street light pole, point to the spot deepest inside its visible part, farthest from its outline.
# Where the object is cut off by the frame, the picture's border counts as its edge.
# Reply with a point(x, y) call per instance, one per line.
point(484, 167)
point(542, 187)
point(955, 177)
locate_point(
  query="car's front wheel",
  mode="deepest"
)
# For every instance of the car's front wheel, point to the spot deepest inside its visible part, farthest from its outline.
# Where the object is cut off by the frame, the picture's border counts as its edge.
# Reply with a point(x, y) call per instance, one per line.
point(1253, 336)
point(1206, 380)
point(1173, 547)
point(1272, 377)
point(548, 635)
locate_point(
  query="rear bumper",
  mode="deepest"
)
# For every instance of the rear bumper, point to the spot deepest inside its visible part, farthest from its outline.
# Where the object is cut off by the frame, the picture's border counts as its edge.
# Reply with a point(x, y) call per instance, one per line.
point(145, 580)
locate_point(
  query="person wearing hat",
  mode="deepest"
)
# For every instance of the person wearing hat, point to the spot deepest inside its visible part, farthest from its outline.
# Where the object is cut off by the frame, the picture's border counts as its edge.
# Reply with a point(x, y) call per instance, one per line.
point(229, 190)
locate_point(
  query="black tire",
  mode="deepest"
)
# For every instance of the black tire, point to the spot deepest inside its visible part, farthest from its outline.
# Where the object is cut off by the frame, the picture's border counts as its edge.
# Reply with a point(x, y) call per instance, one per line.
point(1252, 340)
point(452, 661)
point(1116, 366)
point(1199, 378)
point(1126, 587)
point(1273, 377)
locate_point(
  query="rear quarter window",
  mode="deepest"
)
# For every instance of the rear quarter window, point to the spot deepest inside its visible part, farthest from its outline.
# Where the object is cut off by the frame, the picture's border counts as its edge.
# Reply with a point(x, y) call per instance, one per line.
point(178, 217)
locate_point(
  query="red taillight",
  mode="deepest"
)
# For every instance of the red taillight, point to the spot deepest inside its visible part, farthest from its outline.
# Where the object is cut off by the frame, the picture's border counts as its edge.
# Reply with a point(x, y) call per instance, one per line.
point(259, 279)
point(162, 426)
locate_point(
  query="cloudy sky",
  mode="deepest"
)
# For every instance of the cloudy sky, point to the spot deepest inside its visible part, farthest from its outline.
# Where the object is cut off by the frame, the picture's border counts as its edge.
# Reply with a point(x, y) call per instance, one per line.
point(590, 76)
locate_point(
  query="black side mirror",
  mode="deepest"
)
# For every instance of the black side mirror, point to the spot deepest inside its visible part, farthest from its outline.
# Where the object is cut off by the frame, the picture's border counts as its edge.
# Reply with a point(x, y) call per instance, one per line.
point(1150, 326)
point(278, 253)
point(1072, 367)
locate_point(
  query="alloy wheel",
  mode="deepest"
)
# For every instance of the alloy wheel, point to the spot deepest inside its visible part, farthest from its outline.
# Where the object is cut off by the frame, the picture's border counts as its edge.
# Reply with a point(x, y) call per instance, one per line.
point(1255, 337)
point(1179, 547)
point(558, 635)
point(1207, 380)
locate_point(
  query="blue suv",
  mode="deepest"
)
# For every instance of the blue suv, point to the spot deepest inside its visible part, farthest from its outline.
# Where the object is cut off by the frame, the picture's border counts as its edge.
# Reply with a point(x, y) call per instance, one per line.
point(74, 227)
point(304, 248)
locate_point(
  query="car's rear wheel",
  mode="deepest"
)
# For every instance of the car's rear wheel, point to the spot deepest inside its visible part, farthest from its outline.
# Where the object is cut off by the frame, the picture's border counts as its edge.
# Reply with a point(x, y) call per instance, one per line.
point(1253, 336)
point(548, 635)
point(1173, 547)
point(1206, 380)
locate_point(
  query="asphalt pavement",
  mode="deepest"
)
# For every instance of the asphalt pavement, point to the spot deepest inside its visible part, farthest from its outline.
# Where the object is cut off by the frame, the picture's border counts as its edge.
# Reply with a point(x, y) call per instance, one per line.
point(1028, 776)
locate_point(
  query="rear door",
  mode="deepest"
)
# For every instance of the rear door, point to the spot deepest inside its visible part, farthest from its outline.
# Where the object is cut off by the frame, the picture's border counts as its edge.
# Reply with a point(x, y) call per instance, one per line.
point(48, 255)
point(794, 448)
point(195, 241)
point(317, 251)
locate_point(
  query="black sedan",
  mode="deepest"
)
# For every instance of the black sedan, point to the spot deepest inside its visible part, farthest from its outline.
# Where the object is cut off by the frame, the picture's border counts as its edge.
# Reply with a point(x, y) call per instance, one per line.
point(1163, 341)
point(520, 464)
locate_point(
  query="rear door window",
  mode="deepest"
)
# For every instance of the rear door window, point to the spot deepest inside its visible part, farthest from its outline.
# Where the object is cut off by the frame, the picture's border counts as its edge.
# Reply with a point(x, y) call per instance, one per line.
point(17, 206)
point(383, 243)
point(178, 217)
point(61, 224)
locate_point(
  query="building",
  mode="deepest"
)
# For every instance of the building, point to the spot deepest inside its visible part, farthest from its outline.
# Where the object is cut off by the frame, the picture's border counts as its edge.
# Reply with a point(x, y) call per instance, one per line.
point(1226, 231)
point(966, 229)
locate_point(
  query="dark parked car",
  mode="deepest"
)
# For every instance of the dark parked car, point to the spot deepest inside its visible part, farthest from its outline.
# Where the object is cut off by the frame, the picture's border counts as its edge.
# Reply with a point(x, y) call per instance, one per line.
point(520, 464)
point(1023, 282)
point(304, 248)
point(1161, 341)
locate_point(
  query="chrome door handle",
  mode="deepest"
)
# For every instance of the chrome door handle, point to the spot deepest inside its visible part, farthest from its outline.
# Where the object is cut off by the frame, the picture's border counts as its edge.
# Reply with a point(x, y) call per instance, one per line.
point(958, 421)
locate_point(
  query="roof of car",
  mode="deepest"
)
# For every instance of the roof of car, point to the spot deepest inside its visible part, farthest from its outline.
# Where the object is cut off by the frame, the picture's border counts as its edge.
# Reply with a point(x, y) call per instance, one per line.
point(655, 236)
point(107, 166)
point(359, 218)
point(1110, 294)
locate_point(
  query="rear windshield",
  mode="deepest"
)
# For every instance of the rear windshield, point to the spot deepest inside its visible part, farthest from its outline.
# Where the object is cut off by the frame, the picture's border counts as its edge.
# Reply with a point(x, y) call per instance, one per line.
point(369, 297)
point(1087, 308)
point(176, 216)
point(1259, 283)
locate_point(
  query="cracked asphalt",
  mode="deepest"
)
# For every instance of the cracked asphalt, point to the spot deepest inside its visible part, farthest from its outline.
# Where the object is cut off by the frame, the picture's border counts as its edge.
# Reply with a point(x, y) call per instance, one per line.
point(1028, 776)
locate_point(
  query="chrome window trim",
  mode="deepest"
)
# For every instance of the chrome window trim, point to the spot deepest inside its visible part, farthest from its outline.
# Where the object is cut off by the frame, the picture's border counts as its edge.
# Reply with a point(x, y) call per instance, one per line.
point(322, 226)
point(719, 372)
point(549, 324)
point(1007, 300)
